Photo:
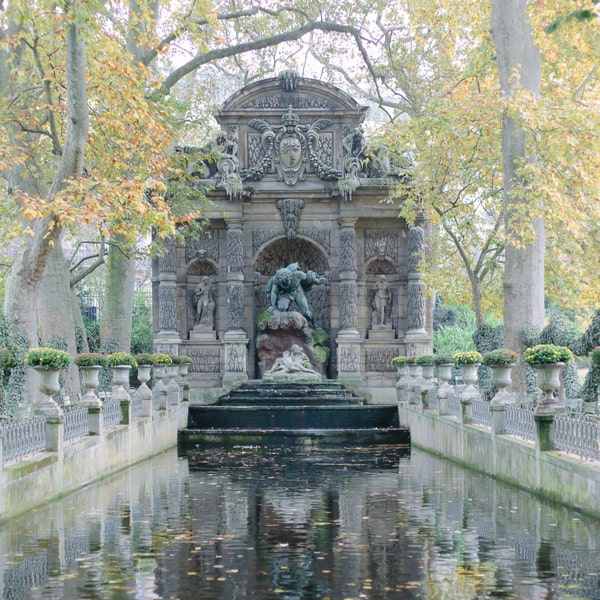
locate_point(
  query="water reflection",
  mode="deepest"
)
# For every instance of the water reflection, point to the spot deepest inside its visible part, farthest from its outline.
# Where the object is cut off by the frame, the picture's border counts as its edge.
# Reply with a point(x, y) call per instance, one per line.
point(369, 524)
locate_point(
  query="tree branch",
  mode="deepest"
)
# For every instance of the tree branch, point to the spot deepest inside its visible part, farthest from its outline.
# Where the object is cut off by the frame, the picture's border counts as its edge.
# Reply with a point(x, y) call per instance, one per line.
point(288, 36)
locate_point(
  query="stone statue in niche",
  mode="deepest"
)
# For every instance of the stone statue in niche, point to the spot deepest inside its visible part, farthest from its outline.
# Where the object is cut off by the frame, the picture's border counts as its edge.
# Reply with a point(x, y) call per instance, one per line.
point(288, 285)
point(205, 305)
point(381, 301)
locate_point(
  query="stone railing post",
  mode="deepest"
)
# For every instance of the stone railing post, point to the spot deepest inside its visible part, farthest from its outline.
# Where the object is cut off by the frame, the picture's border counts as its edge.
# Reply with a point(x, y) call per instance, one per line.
point(498, 410)
point(146, 399)
point(401, 395)
point(466, 404)
point(173, 390)
point(414, 385)
point(125, 411)
point(543, 423)
point(95, 419)
point(55, 431)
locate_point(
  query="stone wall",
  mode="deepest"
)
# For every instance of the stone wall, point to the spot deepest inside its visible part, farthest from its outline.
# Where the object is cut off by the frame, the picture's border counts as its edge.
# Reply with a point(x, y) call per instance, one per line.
point(550, 474)
point(48, 475)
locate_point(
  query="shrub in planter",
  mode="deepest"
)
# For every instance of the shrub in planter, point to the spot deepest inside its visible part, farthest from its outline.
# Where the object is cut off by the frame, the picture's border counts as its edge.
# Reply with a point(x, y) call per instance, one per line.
point(49, 358)
point(6, 359)
point(90, 359)
point(424, 359)
point(547, 354)
point(398, 361)
point(442, 359)
point(185, 360)
point(117, 359)
point(144, 359)
point(471, 357)
point(161, 360)
point(500, 357)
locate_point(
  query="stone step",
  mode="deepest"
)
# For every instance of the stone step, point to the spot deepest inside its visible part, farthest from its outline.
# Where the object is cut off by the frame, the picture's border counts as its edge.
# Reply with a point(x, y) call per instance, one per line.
point(283, 417)
point(300, 400)
point(258, 392)
point(302, 440)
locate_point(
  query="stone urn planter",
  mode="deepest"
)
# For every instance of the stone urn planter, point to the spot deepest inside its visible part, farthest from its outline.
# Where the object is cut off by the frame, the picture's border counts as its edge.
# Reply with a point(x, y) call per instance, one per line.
point(48, 364)
point(548, 380)
point(469, 364)
point(120, 382)
point(445, 374)
point(469, 375)
point(548, 361)
point(90, 364)
point(501, 363)
point(90, 381)
point(48, 385)
point(144, 374)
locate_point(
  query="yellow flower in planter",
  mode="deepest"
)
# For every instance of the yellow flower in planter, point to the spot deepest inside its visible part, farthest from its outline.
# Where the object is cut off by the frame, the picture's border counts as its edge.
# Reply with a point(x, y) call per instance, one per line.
point(471, 357)
point(49, 358)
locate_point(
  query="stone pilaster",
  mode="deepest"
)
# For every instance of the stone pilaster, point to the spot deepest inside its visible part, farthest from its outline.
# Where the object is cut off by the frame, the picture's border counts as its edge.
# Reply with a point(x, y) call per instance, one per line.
point(416, 333)
point(235, 340)
point(348, 340)
point(167, 339)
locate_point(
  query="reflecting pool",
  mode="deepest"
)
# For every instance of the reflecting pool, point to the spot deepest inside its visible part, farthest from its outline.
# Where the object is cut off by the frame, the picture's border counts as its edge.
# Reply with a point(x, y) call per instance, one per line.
point(250, 523)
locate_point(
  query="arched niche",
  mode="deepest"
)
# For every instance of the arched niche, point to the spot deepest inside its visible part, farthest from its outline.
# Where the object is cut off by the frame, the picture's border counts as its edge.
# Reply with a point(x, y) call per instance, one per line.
point(195, 271)
point(280, 253)
point(383, 266)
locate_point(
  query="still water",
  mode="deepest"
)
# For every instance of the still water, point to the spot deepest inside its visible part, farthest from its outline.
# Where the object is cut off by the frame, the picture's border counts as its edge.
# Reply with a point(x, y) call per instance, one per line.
point(271, 524)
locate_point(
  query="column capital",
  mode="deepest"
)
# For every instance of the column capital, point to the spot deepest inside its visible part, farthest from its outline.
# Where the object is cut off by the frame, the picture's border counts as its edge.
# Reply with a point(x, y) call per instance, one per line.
point(234, 222)
point(347, 221)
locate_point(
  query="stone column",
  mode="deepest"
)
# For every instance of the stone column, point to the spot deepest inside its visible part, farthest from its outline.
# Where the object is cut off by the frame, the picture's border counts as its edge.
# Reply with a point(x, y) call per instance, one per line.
point(235, 340)
point(348, 340)
point(416, 333)
point(167, 339)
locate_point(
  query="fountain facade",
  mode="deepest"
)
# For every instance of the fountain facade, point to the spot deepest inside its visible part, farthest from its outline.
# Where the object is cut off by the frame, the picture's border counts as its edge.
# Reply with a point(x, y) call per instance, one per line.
point(294, 181)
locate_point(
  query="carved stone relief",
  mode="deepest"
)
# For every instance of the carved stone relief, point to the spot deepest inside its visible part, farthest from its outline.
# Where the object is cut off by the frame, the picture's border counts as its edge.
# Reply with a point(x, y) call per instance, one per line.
point(235, 358)
point(416, 305)
point(291, 147)
point(347, 249)
point(167, 262)
point(348, 305)
point(416, 247)
point(261, 236)
point(206, 245)
point(167, 314)
point(381, 244)
point(379, 359)
point(349, 359)
point(290, 210)
point(235, 304)
point(204, 360)
point(235, 251)
point(285, 101)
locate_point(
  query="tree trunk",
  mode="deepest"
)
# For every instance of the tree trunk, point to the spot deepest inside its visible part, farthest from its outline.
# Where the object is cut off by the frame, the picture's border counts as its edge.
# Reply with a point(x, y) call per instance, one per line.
point(476, 294)
point(117, 312)
point(524, 267)
point(22, 293)
point(55, 313)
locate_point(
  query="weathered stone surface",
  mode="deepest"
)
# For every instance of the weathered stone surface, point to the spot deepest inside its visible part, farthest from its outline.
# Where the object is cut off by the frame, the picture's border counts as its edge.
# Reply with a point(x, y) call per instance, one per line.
point(278, 332)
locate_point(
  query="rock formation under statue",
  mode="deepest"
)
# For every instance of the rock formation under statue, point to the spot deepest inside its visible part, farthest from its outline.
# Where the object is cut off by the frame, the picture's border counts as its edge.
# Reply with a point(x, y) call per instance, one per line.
point(279, 331)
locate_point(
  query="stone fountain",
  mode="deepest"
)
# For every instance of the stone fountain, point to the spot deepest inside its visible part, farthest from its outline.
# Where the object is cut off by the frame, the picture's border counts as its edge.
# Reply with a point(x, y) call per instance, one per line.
point(292, 403)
